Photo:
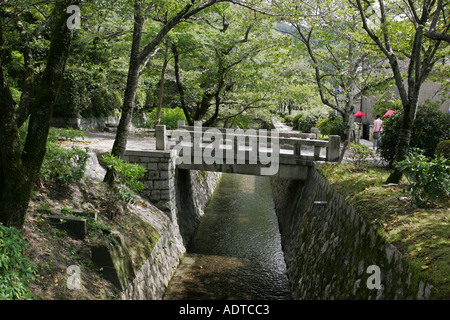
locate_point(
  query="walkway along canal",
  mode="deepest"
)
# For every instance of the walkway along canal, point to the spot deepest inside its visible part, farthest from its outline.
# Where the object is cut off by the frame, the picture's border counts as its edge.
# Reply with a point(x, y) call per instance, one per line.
point(236, 252)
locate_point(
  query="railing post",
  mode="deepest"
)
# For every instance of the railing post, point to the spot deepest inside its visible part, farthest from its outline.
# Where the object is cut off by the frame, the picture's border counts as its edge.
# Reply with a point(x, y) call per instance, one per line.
point(317, 150)
point(161, 137)
point(316, 132)
point(181, 123)
point(197, 142)
point(334, 147)
point(298, 149)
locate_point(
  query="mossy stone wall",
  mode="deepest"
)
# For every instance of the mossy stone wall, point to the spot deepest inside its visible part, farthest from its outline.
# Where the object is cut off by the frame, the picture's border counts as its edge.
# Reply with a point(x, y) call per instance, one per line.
point(330, 250)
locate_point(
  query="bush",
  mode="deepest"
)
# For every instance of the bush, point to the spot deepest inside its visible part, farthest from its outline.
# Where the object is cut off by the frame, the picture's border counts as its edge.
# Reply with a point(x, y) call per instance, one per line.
point(443, 149)
point(333, 125)
point(360, 154)
point(307, 119)
point(429, 177)
point(61, 163)
point(169, 118)
point(289, 119)
point(16, 271)
point(430, 127)
point(128, 175)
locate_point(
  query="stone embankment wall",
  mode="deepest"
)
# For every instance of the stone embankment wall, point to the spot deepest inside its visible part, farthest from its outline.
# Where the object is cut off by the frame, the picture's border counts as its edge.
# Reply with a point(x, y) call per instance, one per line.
point(192, 191)
point(165, 224)
point(329, 249)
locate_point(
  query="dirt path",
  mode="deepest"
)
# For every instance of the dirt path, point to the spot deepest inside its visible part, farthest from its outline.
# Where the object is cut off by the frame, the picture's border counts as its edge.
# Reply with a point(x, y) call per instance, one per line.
point(102, 142)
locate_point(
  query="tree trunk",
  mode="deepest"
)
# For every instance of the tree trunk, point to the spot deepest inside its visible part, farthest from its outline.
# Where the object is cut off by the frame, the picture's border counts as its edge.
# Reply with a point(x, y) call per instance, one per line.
point(348, 126)
point(137, 57)
point(404, 139)
point(19, 170)
point(161, 85)
point(120, 143)
point(180, 88)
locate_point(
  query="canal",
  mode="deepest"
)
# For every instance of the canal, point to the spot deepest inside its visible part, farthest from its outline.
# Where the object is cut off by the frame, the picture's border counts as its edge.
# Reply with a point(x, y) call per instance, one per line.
point(236, 253)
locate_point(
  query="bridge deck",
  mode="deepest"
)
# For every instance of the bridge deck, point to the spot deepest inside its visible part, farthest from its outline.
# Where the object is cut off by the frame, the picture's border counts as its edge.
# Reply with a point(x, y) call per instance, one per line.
point(256, 152)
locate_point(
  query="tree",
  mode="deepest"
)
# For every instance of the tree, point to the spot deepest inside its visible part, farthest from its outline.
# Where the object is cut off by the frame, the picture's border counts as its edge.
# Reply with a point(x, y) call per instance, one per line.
point(399, 31)
point(442, 35)
point(19, 168)
point(343, 69)
point(219, 62)
point(173, 13)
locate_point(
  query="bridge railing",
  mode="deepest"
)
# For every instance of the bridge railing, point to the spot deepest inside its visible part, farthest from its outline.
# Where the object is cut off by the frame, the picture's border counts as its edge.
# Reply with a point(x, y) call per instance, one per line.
point(301, 146)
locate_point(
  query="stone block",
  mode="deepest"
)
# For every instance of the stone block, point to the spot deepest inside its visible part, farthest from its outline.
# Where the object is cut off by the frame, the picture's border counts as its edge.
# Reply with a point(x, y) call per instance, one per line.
point(148, 185)
point(75, 227)
point(134, 159)
point(155, 195)
point(167, 194)
point(152, 166)
point(164, 166)
point(101, 256)
point(164, 174)
point(161, 185)
point(152, 175)
point(85, 213)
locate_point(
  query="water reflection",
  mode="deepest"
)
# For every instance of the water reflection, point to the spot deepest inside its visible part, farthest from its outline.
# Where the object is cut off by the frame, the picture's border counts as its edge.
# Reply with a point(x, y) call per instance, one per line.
point(236, 253)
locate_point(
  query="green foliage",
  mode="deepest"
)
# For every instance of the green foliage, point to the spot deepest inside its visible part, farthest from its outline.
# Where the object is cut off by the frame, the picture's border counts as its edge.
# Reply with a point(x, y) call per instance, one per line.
point(289, 119)
point(429, 177)
point(87, 93)
point(443, 149)
point(360, 154)
point(242, 122)
point(64, 164)
point(128, 175)
point(169, 117)
point(16, 271)
point(382, 106)
point(333, 125)
point(307, 119)
point(430, 127)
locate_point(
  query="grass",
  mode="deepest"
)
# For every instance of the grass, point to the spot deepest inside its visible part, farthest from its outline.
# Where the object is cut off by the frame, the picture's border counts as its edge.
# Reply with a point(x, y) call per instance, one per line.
point(422, 235)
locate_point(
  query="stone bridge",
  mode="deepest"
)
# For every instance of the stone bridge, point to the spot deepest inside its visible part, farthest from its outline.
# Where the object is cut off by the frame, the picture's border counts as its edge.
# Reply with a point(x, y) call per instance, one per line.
point(252, 152)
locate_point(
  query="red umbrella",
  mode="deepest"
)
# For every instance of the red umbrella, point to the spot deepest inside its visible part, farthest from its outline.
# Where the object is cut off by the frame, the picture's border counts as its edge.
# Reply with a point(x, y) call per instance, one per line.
point(389, 113)
point(360, 114)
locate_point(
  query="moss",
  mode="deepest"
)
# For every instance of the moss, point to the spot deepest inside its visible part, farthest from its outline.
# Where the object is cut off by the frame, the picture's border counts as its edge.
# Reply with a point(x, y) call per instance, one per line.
point(420, 234)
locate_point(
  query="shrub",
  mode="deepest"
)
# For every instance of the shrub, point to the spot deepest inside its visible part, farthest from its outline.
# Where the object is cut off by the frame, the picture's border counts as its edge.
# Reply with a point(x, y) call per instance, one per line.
point(289, 119)
point(61, 163)
point(307, 119)
point(430, 127)
point(128, 175)
point(169, 117)
point(333, 125)
point(16, 271)
point(296, 120)
point(429, 178)
point(360, 154)
point(443, 149)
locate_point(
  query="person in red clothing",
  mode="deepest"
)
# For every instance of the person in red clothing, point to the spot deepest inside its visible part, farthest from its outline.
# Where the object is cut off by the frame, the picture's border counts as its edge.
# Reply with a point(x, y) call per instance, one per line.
point(377, 131)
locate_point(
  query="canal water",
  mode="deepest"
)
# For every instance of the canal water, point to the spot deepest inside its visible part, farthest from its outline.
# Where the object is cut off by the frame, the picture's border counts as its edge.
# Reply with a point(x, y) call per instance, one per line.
point(236, 253)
